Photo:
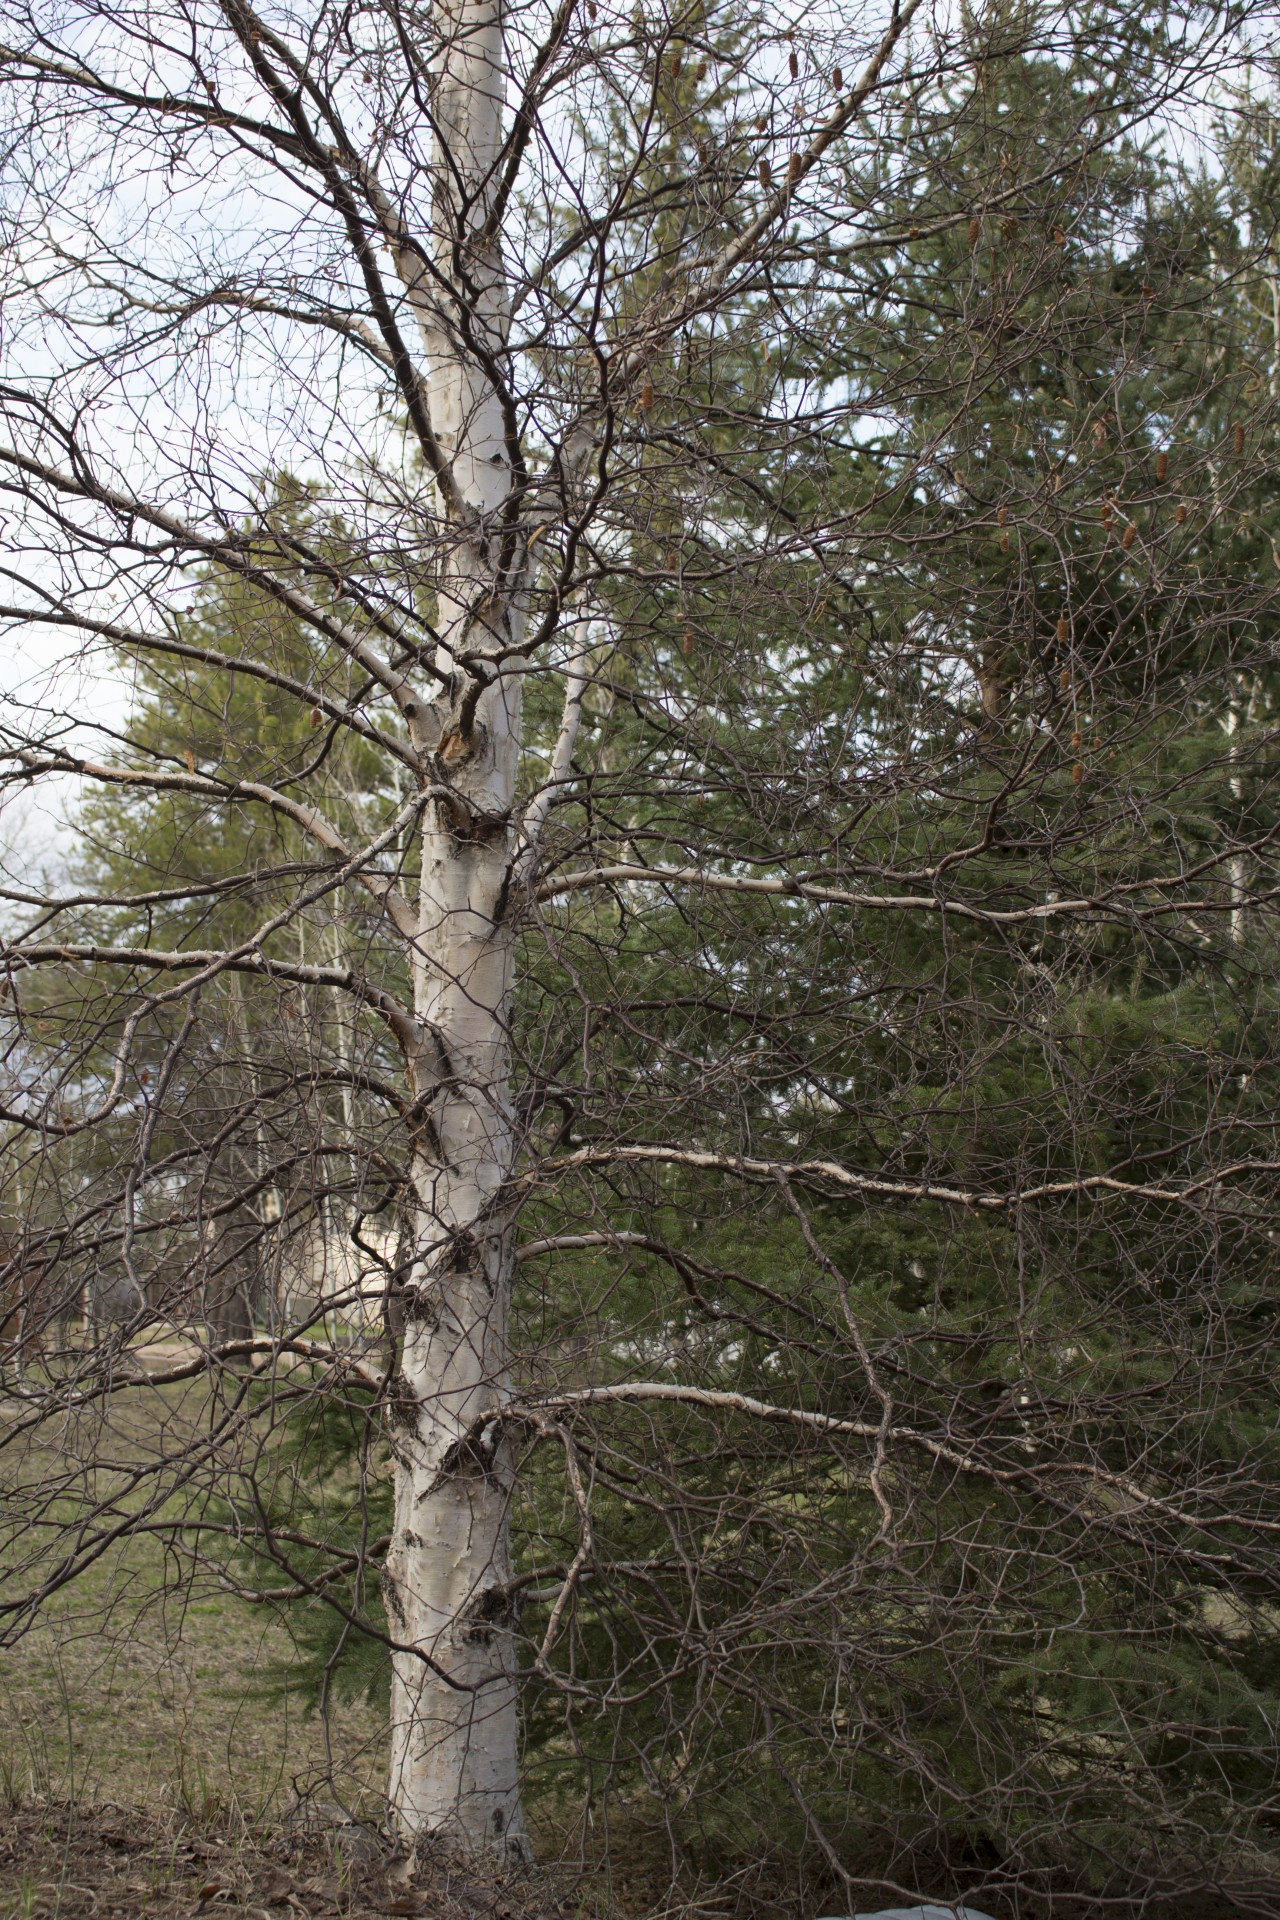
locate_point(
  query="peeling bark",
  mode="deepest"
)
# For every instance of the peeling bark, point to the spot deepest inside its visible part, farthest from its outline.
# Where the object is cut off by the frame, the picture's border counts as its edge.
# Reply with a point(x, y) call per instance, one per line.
point(454, 1718)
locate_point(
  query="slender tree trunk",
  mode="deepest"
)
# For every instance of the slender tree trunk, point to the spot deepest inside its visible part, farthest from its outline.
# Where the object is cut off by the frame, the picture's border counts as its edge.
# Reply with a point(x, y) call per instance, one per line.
point(454, 1721)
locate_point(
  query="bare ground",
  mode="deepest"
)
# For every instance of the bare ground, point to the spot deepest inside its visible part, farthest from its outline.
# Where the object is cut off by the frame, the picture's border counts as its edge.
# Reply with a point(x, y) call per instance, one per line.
point(63, 1862)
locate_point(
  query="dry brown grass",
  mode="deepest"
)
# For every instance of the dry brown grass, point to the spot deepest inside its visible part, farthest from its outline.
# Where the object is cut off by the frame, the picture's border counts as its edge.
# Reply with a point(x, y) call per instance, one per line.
point(60, 1861)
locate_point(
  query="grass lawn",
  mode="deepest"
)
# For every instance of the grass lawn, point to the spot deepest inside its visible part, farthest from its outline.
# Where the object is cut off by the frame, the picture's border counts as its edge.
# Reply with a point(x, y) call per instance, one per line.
point(142, 1684)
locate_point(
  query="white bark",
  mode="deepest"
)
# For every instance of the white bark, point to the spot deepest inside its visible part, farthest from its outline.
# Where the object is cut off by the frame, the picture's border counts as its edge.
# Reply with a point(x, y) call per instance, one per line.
point(454, 1720)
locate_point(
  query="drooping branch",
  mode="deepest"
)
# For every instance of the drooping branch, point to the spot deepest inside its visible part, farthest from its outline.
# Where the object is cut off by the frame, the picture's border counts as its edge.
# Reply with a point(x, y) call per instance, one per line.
point(32, 763)
point(342, 713)
point(235, 553)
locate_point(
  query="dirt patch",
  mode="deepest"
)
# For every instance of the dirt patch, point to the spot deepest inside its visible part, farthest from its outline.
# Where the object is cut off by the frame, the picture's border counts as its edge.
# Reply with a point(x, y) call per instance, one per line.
point(60, 1862)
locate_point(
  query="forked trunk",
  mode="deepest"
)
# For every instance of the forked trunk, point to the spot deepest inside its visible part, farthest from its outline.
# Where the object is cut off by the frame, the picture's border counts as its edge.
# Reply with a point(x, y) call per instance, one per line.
point(454, 1721)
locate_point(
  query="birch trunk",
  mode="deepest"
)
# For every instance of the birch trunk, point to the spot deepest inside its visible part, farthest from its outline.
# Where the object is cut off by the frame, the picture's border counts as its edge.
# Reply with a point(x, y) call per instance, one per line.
point(454, 1720)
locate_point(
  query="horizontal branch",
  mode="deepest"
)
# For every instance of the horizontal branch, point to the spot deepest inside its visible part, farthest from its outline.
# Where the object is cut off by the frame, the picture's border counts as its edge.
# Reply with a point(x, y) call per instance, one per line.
point(583, 1242)
point(263, 1346)
point(829, 1173)
point(639, 1392)
point(52, 904)
point(115, 1380)
point(408, 1030)
point(823, 895)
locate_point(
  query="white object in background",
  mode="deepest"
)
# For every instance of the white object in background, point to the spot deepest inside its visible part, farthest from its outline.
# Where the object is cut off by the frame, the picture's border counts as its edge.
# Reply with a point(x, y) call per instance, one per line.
point(928, 1912)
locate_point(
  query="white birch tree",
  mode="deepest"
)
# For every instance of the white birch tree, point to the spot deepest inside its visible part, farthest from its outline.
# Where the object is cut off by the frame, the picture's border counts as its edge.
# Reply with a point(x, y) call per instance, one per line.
point(449, 265)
